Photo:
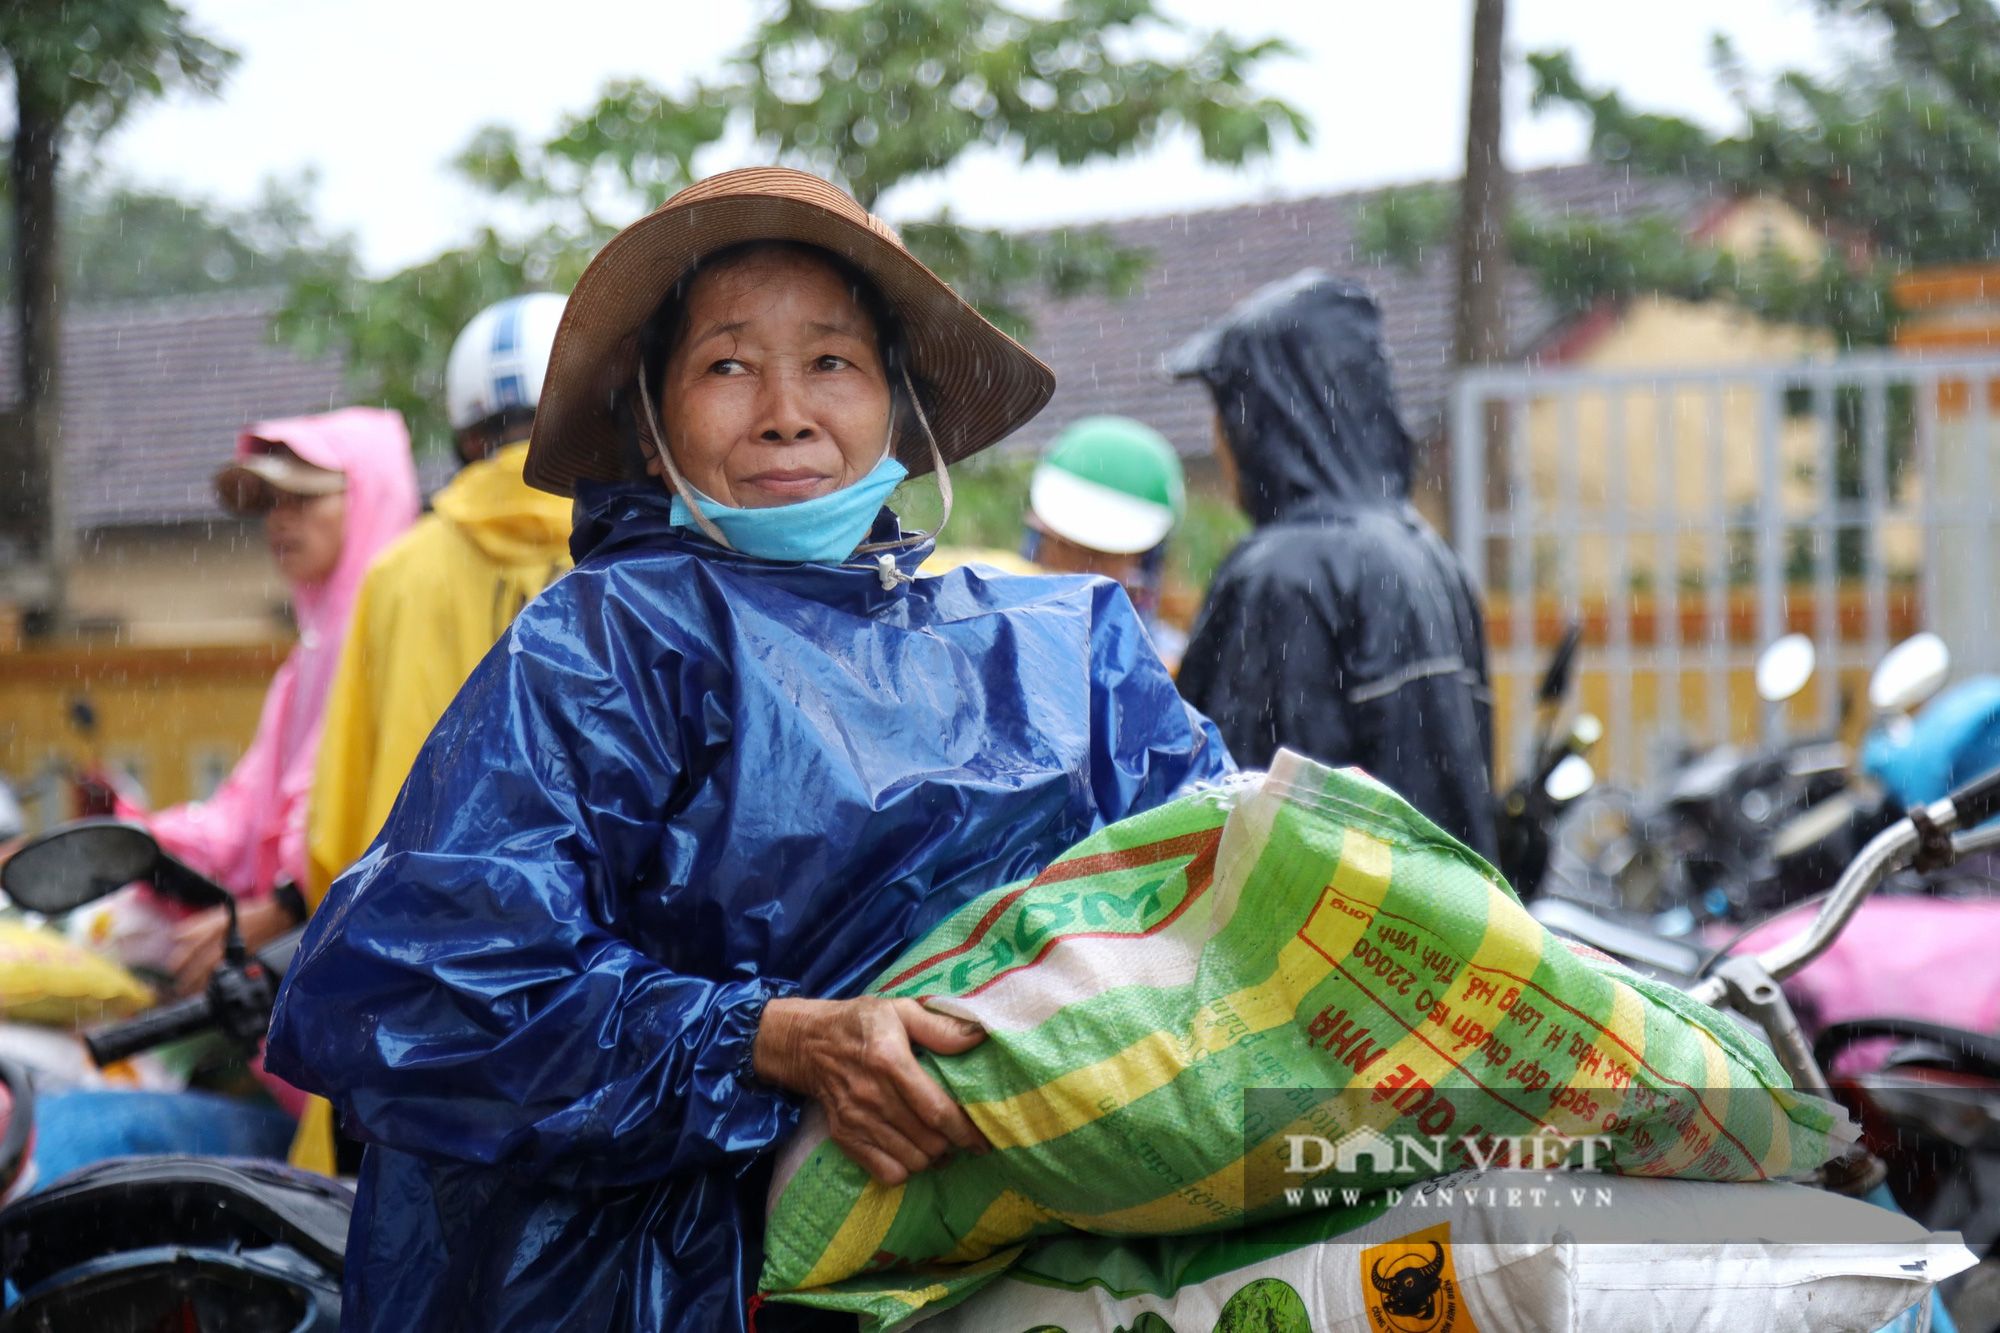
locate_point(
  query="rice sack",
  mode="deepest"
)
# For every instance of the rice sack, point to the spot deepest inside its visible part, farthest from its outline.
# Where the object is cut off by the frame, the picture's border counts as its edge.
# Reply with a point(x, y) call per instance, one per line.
point(1303, 930)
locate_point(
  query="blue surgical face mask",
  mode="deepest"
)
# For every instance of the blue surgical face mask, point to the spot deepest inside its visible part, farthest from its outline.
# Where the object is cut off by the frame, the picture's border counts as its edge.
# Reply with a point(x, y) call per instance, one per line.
point(823, 530)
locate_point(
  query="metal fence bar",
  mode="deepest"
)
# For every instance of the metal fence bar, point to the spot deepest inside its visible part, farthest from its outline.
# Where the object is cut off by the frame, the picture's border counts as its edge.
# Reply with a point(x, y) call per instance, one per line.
point(1874, 487)
point(1569, 511)
point(1826, 550)
point(1979, 526)
point(1870, 466)
point(1521, 570)
point(1617, 502)
point(1510, 380)
point(1667, 566)
point(1715, 576)
point(1770, 509)
point(1924, 390)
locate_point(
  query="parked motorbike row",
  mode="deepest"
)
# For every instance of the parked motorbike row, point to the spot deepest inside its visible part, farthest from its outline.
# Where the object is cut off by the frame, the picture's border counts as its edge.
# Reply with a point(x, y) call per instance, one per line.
point(1732, 834)
point(1673, 880)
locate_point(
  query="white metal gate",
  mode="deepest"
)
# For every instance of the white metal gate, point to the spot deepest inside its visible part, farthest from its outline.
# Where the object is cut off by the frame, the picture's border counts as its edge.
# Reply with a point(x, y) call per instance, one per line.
point(1689, 516)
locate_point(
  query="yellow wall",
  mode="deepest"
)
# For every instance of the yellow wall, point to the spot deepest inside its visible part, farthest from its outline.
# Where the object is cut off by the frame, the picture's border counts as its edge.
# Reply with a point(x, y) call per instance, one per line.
point(1682, 680)
point(180, 628)
point(176, 718)
point(1661, 464)
point(181, 586)
point(1754, 225)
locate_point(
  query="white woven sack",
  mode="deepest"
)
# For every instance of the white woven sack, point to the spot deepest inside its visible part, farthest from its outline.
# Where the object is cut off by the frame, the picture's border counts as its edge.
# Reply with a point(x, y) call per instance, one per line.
point(1455, 1257)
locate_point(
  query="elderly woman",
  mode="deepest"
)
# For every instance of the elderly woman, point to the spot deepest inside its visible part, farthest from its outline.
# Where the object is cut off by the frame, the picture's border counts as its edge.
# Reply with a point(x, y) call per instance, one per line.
point(712, 781)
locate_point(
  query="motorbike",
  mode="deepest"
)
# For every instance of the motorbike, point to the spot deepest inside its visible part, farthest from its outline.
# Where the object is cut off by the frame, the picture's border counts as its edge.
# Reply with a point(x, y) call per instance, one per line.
point(1732, 834)
point(197, 1245)
point(1917, 755)
point(1557, 773)
point(1807, 850)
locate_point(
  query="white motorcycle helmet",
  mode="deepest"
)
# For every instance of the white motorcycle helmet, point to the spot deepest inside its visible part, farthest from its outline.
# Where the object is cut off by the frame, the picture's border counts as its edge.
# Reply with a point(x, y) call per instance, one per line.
point(499, 360)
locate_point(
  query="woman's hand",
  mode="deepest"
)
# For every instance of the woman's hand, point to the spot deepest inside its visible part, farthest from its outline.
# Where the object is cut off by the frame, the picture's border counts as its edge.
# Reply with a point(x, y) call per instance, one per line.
point(198, 940)
point(855, 1058)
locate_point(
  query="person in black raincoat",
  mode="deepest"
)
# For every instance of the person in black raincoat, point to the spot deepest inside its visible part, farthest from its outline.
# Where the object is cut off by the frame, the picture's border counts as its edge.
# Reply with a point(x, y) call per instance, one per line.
point(615, 934)
point(1343, 628)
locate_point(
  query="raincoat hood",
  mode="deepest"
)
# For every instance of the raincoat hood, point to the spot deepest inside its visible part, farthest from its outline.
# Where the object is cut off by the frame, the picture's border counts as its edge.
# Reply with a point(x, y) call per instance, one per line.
point(510, 521)
point(371, 446)
point(1301, 381)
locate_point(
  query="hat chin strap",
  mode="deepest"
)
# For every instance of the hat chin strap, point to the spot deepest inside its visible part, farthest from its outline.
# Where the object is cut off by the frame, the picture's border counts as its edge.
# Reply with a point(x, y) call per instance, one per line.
point(937, 465)
point(714, 534)
point(674, 477)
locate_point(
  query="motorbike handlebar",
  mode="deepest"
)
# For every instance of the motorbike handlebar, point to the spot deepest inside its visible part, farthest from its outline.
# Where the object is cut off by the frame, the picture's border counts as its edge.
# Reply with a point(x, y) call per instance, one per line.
point(1891, 849)
point(1983, 839)
point(155, 1027)
point(1978, 800)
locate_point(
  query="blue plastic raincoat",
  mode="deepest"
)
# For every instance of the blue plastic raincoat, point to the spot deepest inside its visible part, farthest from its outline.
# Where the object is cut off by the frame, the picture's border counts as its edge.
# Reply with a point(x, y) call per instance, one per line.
point(685, 782)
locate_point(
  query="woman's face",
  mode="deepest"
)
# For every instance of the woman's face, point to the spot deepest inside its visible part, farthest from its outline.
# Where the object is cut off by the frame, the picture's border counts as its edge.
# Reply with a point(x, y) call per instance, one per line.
point(305, 533)
point(778, 393)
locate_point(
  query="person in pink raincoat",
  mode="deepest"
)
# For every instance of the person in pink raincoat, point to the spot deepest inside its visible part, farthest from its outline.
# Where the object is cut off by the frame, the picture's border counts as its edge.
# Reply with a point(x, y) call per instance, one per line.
point(333, 490)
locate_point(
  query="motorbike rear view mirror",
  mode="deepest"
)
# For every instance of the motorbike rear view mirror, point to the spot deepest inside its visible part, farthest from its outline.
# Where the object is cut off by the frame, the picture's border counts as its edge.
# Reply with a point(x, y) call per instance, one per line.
point(1570, 779)
point(61, 871)
point(1784, 668)
point(1909, 673)
point(1555, 681)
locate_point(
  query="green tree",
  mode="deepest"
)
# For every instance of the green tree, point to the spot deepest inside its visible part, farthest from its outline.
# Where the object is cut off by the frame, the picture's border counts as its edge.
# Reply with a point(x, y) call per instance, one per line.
point(79, 67)
point(873, 95)
point(1405, 225)
point(1896, 156)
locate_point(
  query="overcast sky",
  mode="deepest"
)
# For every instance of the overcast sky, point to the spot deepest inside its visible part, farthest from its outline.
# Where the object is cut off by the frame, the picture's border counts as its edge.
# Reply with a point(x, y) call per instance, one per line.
point(378, 95)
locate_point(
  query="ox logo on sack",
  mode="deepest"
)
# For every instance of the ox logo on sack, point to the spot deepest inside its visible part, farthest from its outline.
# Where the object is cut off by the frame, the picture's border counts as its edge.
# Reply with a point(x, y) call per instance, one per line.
point(1411, 1286)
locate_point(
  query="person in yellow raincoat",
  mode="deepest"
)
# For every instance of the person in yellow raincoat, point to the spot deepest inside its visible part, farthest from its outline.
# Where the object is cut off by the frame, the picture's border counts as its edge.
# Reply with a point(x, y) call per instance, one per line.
point(438, 600)
point(434, 603)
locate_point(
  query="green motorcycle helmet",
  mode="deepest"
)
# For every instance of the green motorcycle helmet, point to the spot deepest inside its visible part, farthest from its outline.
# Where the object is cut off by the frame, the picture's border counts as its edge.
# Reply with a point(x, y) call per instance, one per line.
point(1111, 484)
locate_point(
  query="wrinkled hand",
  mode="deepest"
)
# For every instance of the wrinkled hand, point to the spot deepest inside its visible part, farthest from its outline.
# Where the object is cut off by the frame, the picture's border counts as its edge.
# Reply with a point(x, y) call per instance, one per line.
point(198, 940)
point(856, 1059)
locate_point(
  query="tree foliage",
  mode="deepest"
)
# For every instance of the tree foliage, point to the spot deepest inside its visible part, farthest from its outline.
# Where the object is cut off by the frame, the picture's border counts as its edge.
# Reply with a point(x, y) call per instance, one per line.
point(92, 61)
point(397, 333)
point(1577, 262)
point(1406, 225)
point(1895, 157)
point(872, 95)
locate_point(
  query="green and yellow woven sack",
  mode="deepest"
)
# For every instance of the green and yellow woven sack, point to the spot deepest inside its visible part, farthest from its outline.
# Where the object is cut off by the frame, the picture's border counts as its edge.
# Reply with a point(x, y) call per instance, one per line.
point(1304, 929)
